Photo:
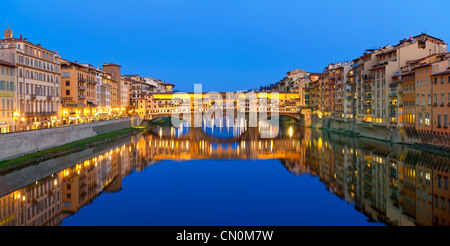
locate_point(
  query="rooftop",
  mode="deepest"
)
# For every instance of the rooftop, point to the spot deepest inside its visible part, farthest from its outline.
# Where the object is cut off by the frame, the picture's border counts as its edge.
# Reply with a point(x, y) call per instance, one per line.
point(5, 63)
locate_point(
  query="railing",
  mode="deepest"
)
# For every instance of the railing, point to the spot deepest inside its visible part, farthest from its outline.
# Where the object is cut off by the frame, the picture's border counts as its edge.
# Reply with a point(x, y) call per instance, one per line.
point(392, 114)
point(33, 114)
point(82, 96)
point(81, 88)
point(74, 105)
point(33, 96)
point(367, 105)
point(368, 78)
point(82, 79)
point(368, 96)
point(49, 98)
point(395, 84)
point(367, 87)
point(393, 94)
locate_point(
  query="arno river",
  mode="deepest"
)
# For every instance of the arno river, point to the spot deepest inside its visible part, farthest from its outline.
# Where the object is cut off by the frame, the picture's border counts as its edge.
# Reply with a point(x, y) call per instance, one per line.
point(232, 176)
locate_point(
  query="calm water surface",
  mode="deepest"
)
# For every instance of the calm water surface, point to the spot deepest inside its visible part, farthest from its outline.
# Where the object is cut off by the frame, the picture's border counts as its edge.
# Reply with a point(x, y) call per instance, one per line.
point(231, 176)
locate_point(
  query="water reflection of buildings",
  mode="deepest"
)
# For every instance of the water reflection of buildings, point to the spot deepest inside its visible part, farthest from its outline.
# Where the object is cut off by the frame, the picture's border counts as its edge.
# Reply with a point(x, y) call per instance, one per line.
point(389, 183)
point(36, 204)
point(49, 200)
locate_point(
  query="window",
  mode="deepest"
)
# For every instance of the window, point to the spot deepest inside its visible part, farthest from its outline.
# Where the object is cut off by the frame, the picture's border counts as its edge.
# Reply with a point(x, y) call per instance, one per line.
point(65, 75)
point(442, 79)
point(423, 98)
point(428, 179)
point(67, 92)
point(427, 119)
point(419, 117)
point(67, 83)
point(429, 97)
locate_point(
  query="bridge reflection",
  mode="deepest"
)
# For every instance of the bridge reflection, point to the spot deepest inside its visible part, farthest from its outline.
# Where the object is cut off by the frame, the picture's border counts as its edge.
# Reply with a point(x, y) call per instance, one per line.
point(196, 144)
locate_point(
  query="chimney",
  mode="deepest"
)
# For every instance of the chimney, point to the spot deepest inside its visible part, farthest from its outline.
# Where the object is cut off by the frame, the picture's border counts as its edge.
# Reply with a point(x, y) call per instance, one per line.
point(25, 39)
point(20, 36)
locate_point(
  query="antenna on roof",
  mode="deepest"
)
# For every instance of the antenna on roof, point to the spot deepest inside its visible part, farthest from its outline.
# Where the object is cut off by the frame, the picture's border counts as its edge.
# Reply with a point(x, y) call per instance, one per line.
point(57, 53)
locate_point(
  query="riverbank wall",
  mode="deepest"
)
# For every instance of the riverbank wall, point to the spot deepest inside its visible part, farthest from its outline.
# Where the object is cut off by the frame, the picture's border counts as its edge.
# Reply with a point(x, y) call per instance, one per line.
point(391, 134)
point(17, 144)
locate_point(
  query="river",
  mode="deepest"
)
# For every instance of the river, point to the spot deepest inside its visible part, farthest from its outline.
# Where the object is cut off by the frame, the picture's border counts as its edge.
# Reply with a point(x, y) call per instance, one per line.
point(231, 176)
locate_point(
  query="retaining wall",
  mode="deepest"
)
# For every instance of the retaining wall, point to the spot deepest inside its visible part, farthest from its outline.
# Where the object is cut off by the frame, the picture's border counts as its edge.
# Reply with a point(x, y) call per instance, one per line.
point(16, 144)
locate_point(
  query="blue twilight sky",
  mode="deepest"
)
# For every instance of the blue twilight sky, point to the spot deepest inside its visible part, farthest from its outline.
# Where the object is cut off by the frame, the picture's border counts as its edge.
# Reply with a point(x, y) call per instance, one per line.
point(225, 45)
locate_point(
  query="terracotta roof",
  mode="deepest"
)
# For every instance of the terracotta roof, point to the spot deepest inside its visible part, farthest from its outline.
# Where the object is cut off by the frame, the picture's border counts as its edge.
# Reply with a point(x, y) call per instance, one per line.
point(110, 64)
point(16, 40)
point(442, 73)
point(377, 67)
point(5, 63)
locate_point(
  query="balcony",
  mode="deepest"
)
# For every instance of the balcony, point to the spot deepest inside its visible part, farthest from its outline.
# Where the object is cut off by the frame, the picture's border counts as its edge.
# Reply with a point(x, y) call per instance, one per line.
point(81, 96)
point(82, 79)
point(368, 105)
point(368, 96)
point(393, 106)
point(74, 105)
point(397, 74)
point(33, 96)
point(393, 94)
point(392, 114)
point(350, 98)
point(367, 87)
point(49, 98)
point(368, 78)
point(34, 114)
point(395, 84)
point(81, 88)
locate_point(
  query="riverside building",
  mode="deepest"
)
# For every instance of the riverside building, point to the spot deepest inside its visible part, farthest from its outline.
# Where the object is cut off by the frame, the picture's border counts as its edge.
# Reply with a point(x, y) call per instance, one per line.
point(7, 96)
point(37, 83)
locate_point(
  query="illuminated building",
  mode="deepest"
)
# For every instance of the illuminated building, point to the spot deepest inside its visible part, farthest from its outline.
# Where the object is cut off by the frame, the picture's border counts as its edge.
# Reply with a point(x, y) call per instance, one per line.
point(7, 96)
point(37, 85)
